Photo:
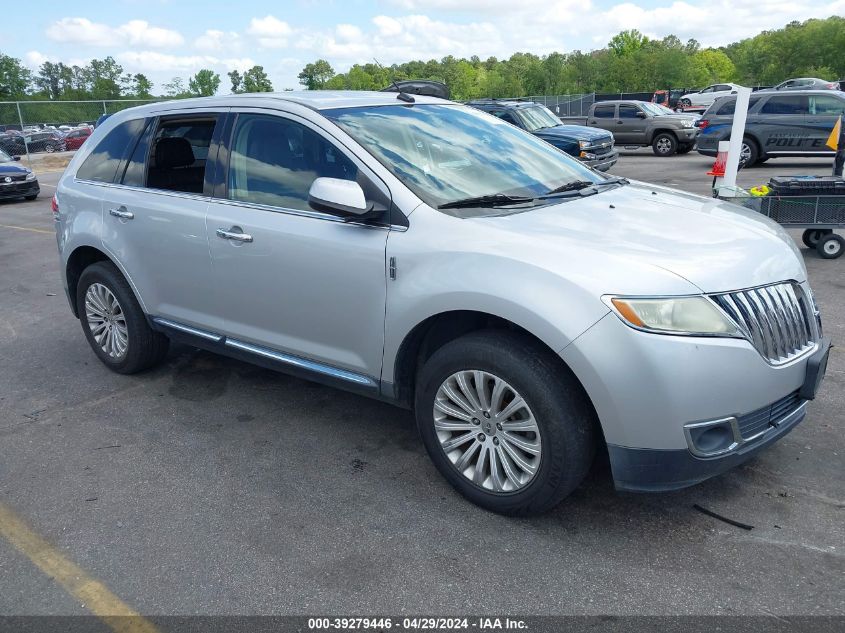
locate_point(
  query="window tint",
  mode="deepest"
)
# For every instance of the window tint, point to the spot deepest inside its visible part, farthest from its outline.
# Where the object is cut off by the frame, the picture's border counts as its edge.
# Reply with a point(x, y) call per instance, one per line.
point(604, 112)
point(628, 111)
point(273, 161)
point(179, 153)
point(723, 88)
point(101, 165)
point(728, 106)
point(796, 104)
point(826, 105)
point(136, 165)
point(504, 115)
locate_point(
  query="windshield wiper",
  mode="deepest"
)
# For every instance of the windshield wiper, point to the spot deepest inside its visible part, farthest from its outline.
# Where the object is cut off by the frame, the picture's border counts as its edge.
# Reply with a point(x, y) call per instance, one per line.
point(493, 200)
point(575, 185)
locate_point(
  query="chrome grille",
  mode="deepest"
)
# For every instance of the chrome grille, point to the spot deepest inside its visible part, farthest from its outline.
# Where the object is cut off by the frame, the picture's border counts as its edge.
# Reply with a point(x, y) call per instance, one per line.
point(779, 320)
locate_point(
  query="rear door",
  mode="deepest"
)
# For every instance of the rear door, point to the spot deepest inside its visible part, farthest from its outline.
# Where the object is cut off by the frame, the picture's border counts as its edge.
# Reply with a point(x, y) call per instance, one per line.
point(604, 117)
point(783, 125)
point(154, 218)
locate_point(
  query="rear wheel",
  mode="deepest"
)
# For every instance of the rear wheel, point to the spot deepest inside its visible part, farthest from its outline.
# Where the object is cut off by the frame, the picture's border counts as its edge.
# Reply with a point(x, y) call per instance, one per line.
point(664, 144)
point(685, 103)
point(504, 422)
point(811, 237)
point(831, 246)
point(49, 148)
point(114, 323)
point(749, 154)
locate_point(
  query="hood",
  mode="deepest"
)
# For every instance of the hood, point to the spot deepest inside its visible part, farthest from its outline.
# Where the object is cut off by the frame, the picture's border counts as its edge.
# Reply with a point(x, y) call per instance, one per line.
point(678, 117)
point(13, 169)
point(572, 133)
point(623, 233)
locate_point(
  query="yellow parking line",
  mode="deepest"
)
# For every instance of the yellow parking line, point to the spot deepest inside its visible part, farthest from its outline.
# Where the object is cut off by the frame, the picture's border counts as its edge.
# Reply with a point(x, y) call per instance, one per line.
point(92, 593)
point(26, 228)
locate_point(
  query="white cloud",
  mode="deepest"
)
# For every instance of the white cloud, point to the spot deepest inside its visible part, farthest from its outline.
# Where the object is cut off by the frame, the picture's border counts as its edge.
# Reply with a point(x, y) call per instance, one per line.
point(156, 62)
point(214, 40)
point(270, 31)
point(135, 33)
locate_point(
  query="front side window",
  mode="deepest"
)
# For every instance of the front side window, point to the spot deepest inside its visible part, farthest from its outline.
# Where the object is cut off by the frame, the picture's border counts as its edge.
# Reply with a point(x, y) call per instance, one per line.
point(628, 112)
point(446, 153)
point(5, 158)
point(274, 161)
point(179, 153)
point(793, 104)
point(101, 164)
point(538, 118)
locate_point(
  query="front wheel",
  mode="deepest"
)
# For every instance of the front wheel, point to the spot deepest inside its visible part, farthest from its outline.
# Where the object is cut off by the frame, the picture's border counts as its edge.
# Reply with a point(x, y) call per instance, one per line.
point(664, 144)
point(49, 148)
point(685, 103)
point(811, 237)
point(114, 323)
point(749, 155)
point(505, 422)
point(831, 246)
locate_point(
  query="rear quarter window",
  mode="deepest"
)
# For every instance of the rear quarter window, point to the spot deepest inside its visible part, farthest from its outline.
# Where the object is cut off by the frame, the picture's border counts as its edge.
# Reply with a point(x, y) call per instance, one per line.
point(101, 164)
point(792, 104)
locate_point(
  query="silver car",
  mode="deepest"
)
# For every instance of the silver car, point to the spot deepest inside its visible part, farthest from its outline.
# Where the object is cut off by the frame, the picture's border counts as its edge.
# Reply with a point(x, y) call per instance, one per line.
point(530, 310)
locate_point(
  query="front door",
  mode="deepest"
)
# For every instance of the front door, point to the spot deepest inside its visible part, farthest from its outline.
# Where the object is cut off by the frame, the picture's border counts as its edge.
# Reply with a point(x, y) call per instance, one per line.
point(290, 279)
point(630, 124)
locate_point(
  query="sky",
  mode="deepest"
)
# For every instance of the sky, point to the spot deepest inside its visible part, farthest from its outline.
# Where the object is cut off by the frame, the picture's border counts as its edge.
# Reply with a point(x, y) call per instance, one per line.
point(167, 38)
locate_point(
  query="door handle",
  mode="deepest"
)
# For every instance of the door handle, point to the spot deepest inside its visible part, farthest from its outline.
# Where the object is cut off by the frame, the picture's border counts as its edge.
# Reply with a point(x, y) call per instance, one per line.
point(620, 123)
point(235, 234)
point(122, 213)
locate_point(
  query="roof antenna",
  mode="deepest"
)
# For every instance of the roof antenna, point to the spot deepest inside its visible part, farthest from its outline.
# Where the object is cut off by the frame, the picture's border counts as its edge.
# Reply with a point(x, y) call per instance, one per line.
point(402, 96)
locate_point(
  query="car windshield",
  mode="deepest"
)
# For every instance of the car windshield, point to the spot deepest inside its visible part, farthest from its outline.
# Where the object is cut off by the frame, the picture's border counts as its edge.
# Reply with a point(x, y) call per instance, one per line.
point(450, 153)
point(4, 157)
point(654, 109)
point(537, 117)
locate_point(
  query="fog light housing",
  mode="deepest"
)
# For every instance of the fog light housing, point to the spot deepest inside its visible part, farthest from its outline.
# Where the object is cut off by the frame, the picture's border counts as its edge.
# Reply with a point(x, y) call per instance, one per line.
point(713, 438)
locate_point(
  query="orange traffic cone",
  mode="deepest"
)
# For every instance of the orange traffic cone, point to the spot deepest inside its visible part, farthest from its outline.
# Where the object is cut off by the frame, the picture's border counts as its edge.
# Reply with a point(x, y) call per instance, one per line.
point(718, 170)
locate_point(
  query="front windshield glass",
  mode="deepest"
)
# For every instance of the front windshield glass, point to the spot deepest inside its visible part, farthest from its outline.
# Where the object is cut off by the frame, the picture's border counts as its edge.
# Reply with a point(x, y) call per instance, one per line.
point(654, 109)
point(537, 117)
point(4, 157)
point(446, 153)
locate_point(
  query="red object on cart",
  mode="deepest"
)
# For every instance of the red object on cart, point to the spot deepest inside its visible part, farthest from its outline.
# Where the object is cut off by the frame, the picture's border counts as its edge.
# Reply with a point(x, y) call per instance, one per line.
point(718, 170)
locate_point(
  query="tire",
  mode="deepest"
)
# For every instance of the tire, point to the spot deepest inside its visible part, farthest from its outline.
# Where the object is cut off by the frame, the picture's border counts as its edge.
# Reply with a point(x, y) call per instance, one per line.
point(750, 151)
point(831, 246)
point(30, 198)
point(811, 237)
point(686, 148)
point(664, 144)
point(563, 443)
point(143, 347)
point(49, 148)
point(684, 103)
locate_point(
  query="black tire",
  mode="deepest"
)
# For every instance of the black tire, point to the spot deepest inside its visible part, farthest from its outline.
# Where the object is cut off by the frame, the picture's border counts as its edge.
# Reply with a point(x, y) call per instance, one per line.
point(664, 144)
point(684, 103)
point(564, 416)
point(753, 151)
point(685, 148)
point(146, 347)
point(30, 197)
point(811, 237)
point(831, 246)
point(49, 148)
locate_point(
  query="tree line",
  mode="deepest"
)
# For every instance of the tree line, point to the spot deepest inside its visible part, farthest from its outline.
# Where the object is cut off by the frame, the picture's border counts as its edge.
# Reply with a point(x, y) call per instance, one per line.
point(631, 62)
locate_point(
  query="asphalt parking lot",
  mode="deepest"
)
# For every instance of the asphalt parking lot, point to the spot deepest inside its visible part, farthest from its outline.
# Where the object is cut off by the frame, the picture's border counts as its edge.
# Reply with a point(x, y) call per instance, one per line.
point(209, 486)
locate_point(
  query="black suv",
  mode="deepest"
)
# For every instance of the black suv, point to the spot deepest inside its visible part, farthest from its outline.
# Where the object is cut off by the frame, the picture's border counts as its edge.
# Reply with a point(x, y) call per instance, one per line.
point(591, 146)
point(795, 123)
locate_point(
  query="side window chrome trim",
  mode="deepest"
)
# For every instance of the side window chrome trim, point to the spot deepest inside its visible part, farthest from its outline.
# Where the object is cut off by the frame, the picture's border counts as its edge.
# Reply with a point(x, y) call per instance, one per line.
point(314, 215)
point(163, 192)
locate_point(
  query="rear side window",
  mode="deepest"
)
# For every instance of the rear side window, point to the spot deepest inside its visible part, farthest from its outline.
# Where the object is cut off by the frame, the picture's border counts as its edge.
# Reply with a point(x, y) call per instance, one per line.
point(273, 161)
point(793, 104)
point(136, 166)
point(179, 153)
point(604, 112)
point(824, 105)
point(101, 164)
point(728, 106)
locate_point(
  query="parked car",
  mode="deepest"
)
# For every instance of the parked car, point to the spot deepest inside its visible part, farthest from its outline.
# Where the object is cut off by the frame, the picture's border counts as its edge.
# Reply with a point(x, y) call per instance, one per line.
point(592, 147)
point(667, 98)
point(17, 145)
point(16, 181)
point(778, 124)
point(529, 309)
point(75, 138)
point(706, 96)
point(643, 124)
point(807, 83)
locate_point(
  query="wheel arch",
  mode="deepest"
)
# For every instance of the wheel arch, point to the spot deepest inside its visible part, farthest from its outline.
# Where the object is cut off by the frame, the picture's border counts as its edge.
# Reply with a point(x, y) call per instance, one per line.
point(662, 130)
point(81, 258)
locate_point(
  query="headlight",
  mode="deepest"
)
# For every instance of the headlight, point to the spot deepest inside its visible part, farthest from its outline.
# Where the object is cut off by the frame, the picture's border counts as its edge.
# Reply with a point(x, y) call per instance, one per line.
point(583, 144)
point(674, 315)
point(30, 176)
point(688, 122)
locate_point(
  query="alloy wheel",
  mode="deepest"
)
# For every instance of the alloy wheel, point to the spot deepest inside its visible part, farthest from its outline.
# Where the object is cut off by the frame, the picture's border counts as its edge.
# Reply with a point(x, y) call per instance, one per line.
point(745, 152)
point(487, 431)
point(106, 321)
point(664, 145)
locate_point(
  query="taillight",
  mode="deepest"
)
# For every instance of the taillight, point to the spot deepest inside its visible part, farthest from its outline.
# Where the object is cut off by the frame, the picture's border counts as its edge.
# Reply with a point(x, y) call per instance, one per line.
point(833, 86)
point(702, 123)
point(54, 206)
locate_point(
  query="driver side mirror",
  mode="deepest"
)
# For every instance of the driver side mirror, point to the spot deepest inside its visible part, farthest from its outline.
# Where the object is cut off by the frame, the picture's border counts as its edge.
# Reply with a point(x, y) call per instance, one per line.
point(338, 196)
point(16, 157)
point(641, 114)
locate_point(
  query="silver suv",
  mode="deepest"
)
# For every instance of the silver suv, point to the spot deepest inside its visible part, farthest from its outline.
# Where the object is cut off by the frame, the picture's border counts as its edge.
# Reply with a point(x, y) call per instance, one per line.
point(529, 309)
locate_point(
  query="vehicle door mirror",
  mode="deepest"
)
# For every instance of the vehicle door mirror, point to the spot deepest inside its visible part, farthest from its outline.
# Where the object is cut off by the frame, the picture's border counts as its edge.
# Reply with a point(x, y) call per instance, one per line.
point(733, 92)
point(16, 157)
point(641, 114)
point(334, 195)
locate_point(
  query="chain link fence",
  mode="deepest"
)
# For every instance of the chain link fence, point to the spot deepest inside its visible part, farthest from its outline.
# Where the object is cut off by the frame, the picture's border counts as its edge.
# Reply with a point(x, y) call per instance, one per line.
point(31, 128)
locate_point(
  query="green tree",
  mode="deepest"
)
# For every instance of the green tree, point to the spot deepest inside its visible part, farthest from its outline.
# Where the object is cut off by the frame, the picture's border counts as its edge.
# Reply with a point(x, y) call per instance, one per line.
point(627, 42)
point(104, 78)
point(14, 78)
point(141, 86)
point(316, 75)
point(204, 84)
point(237, 81)
point(256, 80)
point(175, 88)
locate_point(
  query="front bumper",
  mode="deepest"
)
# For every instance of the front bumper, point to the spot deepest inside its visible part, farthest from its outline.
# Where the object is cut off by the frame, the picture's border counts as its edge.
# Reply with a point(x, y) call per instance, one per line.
point(19, 189)
point(647, 387)
point(600, 162)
